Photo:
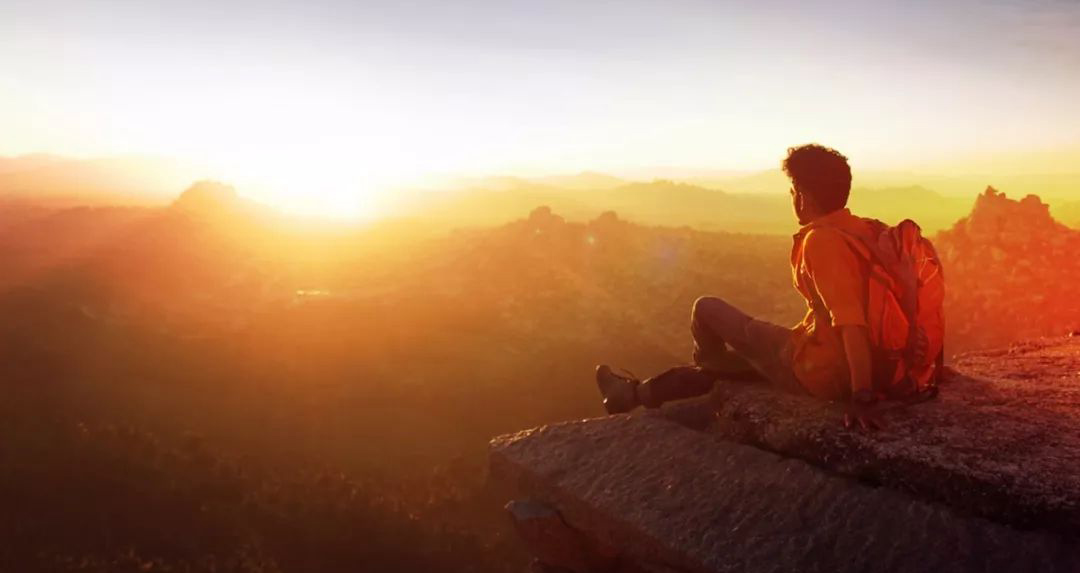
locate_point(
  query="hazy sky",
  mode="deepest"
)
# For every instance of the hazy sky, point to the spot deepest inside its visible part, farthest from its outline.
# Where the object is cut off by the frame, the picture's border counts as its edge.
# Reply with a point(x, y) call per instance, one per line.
point(347, 93)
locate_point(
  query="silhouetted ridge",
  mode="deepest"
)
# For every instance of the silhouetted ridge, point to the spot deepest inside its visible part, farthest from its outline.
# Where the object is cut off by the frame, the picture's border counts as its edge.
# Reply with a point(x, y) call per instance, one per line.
point(995, 214)
point(1011, 272)
point(208, 197)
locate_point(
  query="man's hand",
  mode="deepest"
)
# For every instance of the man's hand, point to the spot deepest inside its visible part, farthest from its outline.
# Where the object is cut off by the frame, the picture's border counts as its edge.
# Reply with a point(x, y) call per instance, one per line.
point(863, 417)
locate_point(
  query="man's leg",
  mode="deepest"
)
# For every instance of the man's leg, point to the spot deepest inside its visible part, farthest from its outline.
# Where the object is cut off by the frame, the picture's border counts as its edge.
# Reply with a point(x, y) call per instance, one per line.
point(716, 328)
point(728, 344)
point(766, 347)
point(710, 319)
point(678, 383)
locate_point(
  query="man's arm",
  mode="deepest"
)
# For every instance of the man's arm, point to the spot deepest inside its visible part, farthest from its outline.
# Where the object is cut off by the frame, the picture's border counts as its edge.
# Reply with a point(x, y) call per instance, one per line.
point(837, 275)
point(857, 348)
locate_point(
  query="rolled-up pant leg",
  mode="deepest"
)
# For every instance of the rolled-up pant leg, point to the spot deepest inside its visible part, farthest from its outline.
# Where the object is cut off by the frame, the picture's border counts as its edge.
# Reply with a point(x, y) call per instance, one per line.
point(728, 344)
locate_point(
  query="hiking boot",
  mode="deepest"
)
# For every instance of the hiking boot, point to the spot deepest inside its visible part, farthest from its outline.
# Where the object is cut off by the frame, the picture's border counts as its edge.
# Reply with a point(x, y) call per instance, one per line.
point(619, 392)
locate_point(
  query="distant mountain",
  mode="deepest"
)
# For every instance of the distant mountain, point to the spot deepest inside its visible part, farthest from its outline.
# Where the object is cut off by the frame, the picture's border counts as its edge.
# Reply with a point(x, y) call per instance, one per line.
point(1053, 187)
point(772, 181)
point(584, 181)
point(27, 162)
point(754, 202)
point(491, 183)
point(128, 180)
point(673, 203)
point(664, 202)
point(207, 196)
point(215, 200)
point(684, 174)
point(659, 202)
point(930, 209)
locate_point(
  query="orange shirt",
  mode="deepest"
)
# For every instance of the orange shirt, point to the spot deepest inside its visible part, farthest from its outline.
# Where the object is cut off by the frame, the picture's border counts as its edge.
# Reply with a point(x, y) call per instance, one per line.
point(832, 279)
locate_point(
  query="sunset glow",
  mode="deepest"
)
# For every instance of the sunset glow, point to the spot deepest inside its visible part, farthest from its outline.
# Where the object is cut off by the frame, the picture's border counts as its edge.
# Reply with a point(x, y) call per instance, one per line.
point(355, 99)
point(460, 286)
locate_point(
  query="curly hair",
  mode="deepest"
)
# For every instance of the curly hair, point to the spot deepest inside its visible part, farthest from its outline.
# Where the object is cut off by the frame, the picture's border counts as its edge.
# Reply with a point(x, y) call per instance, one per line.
point(821, 172)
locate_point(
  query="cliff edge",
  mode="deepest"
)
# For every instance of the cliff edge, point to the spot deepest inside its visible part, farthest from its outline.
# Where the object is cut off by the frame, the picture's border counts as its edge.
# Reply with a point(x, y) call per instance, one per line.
point(984, 478)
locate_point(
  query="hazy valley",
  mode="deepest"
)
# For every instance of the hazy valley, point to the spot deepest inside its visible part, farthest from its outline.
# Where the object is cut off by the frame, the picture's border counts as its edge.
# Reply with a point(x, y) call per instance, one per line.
point(213, 382)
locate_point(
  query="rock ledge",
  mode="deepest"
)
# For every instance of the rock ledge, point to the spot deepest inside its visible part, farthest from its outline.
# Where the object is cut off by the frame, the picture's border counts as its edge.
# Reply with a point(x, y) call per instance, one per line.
point(986, 478)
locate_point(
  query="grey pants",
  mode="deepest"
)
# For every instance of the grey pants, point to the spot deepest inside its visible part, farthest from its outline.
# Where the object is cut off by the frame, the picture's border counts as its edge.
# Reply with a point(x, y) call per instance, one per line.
point(728, 344)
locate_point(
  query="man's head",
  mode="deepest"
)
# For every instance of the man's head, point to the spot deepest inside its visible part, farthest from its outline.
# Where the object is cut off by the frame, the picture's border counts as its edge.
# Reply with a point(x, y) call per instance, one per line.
point(820, 180)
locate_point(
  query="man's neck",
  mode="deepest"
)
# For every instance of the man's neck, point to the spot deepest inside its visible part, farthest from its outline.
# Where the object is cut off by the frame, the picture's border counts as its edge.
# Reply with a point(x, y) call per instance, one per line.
point(819, 218)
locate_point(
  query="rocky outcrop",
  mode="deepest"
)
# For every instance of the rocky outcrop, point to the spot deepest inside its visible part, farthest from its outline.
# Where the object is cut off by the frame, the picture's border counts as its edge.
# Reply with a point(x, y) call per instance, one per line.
point(984, 478)
point(1006, 446)
point(1011, 272)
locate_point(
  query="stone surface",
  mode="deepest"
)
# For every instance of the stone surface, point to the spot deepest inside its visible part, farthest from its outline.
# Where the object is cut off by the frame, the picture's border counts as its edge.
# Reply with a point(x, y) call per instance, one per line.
point(984, 478)
point(538, 566)
point(673, 499)
point(556, 545)
point(1001, 441)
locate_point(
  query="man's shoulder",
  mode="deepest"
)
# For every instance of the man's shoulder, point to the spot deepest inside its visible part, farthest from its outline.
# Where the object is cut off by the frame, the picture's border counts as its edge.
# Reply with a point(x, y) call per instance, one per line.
point(824, 237)
point(831, 246)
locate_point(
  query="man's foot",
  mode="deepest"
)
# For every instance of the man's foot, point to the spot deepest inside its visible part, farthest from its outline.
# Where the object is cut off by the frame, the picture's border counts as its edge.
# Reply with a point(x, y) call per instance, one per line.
point(619, 392)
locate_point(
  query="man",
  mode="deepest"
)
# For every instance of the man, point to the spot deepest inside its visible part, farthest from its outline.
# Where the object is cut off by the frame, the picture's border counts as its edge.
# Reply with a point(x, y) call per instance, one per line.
point(827, 355)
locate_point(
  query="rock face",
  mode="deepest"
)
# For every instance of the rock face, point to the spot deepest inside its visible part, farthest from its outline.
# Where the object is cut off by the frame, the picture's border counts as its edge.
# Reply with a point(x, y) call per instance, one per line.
point(1002, 440)
point(1011, 272)
point(985, 478)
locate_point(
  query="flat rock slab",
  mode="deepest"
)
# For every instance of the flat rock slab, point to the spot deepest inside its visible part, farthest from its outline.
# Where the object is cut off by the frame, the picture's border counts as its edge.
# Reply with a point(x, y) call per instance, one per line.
point(670, 498)
point(1001, 441)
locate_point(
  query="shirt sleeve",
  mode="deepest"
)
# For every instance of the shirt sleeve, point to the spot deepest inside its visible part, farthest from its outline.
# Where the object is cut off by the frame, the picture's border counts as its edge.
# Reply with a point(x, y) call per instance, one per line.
point(837, 275)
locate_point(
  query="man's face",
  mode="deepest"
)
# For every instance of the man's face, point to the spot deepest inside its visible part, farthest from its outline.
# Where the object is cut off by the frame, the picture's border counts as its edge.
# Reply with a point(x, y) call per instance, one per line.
point(798, 201)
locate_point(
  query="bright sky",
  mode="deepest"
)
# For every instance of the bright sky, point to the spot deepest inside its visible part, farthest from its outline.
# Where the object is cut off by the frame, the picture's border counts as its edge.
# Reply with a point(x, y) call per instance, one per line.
point(330, 101)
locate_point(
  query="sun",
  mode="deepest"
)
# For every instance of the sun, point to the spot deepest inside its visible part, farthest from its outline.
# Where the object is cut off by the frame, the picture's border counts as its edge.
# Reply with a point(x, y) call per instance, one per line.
point(323, 187)
point(332, 198)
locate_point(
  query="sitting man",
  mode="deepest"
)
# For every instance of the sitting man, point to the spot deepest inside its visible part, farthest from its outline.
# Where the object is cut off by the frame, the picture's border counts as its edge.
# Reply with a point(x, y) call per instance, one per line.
point(828, 355)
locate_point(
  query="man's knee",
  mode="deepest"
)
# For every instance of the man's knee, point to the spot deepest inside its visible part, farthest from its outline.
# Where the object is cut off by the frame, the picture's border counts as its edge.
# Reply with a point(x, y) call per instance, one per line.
point(714, 317)
point(704, 306)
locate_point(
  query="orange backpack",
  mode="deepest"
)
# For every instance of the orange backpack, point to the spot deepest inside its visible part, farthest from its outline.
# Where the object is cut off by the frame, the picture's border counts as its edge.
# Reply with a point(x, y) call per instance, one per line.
point(905, 297)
